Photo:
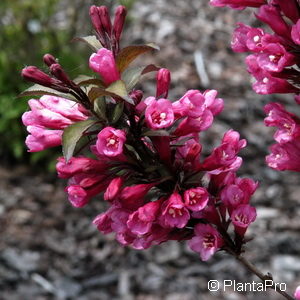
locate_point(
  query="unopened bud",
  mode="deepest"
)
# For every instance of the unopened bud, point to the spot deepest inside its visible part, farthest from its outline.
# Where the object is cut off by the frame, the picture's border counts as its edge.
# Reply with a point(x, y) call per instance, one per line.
point(35, 75)
point(105, 19)
point(163, 83)
point(119, 21)
point(136, 96)
point(60, 74)
point(95, 18)
point(49, 60)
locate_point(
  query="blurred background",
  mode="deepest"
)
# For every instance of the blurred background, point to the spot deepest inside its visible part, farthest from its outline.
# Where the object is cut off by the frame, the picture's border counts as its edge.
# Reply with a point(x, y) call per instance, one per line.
point(50, 250)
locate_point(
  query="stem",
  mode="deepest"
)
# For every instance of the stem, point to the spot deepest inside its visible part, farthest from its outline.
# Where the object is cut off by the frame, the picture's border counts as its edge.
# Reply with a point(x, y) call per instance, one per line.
point(253, 269)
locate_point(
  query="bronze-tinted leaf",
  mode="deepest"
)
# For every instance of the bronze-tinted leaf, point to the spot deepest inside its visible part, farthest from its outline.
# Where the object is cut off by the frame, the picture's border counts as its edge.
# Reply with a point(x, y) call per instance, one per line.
point(132, 76)
point(128, 54)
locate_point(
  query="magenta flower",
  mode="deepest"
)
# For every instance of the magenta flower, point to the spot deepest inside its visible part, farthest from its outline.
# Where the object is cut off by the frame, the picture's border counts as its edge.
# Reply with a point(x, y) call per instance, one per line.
point(132, 197)
point(242, 217)
point(174, 213)
point(110, 142)
point(207, 241)
point(274, 58)
point(159, 114)
point(78, 165)
point(104, 64)
point(224, 158)
point(140, 222)
point(196, 199)
point(285, 156)
point(240, 37)
point(113, 189)
point(287, 123)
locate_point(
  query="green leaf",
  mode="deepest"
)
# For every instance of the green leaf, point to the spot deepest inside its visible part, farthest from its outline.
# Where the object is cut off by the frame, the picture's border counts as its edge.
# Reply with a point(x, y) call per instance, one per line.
point(128, 54)
point(156, 133)
point(116, 90)
point(100, 107)
point(72, 135)
point(90, 40)
point(86, 80)
point(117, 112)
point(132, 76)
point(39, 90)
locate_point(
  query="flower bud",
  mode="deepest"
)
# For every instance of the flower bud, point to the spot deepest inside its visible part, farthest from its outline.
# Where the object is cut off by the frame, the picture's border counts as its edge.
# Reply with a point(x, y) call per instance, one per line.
point(35, 75)
point(297, 293)
point(105, 19)
point(103, 62)
point(95, 18)
point(49, 60)
point(120, 16)
point(60, 74)
point(163, 83)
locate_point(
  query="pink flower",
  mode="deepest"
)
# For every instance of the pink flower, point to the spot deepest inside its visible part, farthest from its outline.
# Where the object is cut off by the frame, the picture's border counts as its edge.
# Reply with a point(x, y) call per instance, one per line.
point(195, 125)
point(40, 138)
point(275, 58)
point(232, 196)
point(285, 156)
point(255, 37)
point(50, 112)
point(159, 114)
point(190, 104)
point(140, 222)
point(297, 293)
point(174, 212)
point(104, 64)
point(288, 124)
point(240, 37)
point(266, 83)
point(224, 158)
point(196, 199)
point(113, 189)
point(77, 195)
point(207, 241)
point(242, 217)
point(78, 165)
point(110, 142)
point(132, 197)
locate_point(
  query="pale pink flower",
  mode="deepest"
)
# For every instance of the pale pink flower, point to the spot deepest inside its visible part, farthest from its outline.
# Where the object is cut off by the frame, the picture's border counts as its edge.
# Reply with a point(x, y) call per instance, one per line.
point(206, 241)
point(174, 213)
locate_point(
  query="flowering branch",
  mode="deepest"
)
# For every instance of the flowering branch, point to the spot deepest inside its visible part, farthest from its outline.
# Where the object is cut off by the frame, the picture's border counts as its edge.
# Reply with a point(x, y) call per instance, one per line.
point(142, 155)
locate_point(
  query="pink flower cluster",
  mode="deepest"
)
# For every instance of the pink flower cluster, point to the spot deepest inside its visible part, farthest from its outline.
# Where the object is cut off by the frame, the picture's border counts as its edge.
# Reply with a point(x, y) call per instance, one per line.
point(274, 64)
point(147, 162)
point(48, 117)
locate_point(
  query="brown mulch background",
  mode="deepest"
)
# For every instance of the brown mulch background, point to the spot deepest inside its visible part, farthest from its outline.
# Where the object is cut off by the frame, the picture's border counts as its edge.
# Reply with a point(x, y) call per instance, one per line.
point(50, 250)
